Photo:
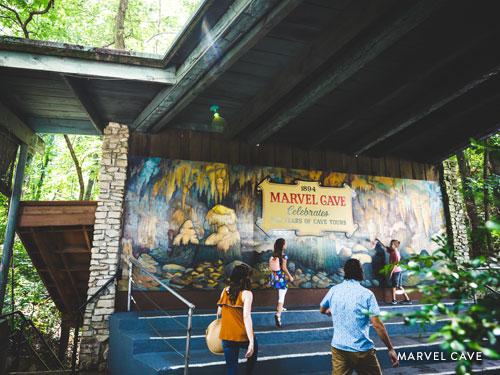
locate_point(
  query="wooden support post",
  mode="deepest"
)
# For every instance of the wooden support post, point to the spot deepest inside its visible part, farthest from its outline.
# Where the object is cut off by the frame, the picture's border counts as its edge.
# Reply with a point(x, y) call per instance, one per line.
point(64, 338)
point(10, 231)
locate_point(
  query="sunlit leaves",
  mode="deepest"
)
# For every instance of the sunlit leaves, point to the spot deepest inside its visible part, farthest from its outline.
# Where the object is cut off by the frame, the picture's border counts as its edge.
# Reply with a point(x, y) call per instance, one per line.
point(472, 327)
point(150, 25)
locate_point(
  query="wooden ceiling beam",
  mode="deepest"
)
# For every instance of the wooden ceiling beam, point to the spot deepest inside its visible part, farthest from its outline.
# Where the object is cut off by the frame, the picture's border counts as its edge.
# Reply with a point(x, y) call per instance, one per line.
point(74, 250)
point(434, 134)
point(364, 50)
point(15, 126)
point(410, 77)
point(431, 104)
point(71, 269)
point(87, 238)
point(71, 279)
point(47, 259)
point(358, 16)
point(82, 67)
point(239, 29)
point(77, 86)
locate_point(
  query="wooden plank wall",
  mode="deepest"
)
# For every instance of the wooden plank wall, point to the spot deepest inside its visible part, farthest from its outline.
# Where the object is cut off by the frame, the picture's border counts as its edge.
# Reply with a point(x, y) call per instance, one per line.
point(213, 147)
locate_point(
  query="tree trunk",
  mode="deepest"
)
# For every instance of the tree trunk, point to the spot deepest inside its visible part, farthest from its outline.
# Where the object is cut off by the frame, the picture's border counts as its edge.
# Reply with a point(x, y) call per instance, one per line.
point(77, 166)
point(494, 159)
point(120, 25)
point(90, 186)
point(470, 205)
point(486, 196)
point(46, 160)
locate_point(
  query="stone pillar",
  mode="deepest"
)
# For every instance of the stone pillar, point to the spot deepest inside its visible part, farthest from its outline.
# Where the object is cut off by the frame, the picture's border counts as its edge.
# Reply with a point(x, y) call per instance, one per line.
point(105, 247)
point(456, 207)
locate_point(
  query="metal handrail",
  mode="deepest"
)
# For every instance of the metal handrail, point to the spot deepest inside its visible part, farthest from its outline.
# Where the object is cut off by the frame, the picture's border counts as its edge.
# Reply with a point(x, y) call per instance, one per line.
point(39, 334)
point(492, 290)
point(491, 267)
point(134, 262)
point(80, 312)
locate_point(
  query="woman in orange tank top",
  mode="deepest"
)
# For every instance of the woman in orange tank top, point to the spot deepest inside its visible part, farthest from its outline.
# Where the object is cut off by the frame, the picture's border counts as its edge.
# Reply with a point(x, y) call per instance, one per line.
point(235, 307)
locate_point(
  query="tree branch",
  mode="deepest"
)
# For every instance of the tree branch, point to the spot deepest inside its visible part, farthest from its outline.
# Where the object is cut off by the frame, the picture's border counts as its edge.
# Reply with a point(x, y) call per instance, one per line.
point(33, 13)
point(77, 166)
point(18, 18)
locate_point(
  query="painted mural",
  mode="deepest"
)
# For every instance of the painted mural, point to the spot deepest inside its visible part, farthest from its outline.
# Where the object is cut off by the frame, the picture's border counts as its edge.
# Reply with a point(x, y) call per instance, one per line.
point(190, 223)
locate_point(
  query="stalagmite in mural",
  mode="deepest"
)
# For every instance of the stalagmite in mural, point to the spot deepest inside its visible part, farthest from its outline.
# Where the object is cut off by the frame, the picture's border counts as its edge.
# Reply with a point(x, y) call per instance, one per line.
point(190, 222)
point(187, 235)
point(223, 220)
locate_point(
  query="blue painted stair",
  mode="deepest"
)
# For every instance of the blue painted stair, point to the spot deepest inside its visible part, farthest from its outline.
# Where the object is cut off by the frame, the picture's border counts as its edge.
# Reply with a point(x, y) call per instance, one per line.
point(152, 343)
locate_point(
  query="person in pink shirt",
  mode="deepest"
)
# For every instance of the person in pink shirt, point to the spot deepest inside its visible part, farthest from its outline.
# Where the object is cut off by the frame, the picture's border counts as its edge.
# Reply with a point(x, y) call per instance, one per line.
point(396, 275)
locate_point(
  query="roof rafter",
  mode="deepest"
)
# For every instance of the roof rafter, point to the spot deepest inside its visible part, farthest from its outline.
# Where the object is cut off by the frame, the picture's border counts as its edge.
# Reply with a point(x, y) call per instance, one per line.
point(78, 88)
point(355, 18)
point(434, 133)
point(83, 67)
point(15, 126)
point(414, 115)
point(233, 35)
point(365, 50)
point(399, 84)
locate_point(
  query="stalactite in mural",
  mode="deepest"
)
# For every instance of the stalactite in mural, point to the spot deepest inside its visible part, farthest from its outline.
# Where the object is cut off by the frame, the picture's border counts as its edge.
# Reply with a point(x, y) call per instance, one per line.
point(190, 223)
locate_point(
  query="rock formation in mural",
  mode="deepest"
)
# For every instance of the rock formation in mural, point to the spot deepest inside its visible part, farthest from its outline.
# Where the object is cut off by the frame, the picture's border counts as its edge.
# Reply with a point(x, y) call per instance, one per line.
point(187, 235)
point(225, 232)
point(190, 223)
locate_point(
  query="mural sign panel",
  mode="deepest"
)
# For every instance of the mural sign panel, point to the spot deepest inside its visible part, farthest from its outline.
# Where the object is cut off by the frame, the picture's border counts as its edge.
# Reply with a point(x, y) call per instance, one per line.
point(190, 223)
point(307, 208)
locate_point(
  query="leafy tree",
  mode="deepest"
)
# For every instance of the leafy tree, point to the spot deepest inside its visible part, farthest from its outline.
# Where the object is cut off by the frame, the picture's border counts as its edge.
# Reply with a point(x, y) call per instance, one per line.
point(473, 327)
point(20, 13)
point(148, 25)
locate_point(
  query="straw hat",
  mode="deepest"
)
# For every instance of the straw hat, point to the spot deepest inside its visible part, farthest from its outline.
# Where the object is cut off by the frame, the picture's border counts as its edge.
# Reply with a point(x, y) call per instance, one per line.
point(212, 333)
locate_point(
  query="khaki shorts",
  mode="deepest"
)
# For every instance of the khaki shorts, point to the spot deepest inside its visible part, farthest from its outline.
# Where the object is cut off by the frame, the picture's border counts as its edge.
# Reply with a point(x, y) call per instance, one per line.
point(365, 363)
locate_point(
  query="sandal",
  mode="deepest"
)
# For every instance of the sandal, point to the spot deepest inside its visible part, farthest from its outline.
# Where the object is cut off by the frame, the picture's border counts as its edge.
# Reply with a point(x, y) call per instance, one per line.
point(277, 320)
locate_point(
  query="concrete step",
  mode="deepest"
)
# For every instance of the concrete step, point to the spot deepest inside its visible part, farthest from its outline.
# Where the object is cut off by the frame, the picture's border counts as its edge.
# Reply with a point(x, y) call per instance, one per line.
point(485, 367)
point(151, 340)
point(154, 343)
point(168, 320)
point(276, 358)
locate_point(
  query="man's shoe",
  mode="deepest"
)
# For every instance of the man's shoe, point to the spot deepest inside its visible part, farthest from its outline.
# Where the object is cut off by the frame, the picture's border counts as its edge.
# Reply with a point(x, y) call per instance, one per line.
point(394, 302)
point(406, 302)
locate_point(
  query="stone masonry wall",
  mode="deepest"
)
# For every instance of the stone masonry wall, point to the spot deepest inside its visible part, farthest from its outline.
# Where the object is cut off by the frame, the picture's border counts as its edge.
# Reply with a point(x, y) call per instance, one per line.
point(456, 207)
point(105, 248)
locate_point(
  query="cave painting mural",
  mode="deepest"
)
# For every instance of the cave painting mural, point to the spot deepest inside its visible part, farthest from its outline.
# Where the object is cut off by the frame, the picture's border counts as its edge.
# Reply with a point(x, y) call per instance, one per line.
point(190, 223)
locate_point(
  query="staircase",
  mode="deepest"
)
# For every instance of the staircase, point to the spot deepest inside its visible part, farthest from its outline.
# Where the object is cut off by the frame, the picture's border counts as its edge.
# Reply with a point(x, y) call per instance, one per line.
point(149, 344)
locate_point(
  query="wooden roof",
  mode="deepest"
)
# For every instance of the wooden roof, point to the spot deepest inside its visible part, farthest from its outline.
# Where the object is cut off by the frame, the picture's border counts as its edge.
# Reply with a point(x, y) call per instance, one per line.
point(412, 79)
point(58, 238)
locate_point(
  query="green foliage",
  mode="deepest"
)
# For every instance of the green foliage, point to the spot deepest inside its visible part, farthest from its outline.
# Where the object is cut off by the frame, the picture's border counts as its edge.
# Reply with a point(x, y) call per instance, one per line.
point(52, 176)
point(473, 327)
point(480, 186)
point(150, 25)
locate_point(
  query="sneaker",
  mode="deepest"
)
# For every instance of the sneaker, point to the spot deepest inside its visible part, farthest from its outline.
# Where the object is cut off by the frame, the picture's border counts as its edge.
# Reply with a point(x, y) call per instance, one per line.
point(406, 302)
point(394, 302)
point(277, 321)
point(284, 309)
